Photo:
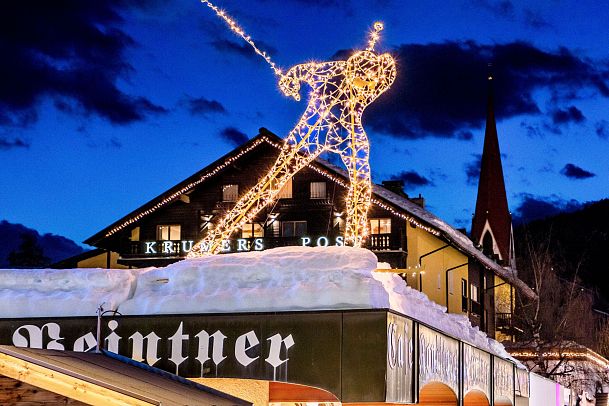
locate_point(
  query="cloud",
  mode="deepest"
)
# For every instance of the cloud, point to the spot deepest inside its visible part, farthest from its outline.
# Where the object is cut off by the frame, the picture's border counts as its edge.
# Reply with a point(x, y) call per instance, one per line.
point(441, 88)
point(201, 106)
point(501, 8)
point(6, 144)
point(472, 170)
point(412, 179)
point(572, 171)
point(602, 129)
point(535, 20)
point(241, 48)
point(539, 207)
point(234, 136)
point(570, 115)
point(69, 51)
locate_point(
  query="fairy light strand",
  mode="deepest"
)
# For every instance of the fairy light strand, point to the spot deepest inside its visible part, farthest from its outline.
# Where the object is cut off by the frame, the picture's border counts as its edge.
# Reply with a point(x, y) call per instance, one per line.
point(332, 121)
point(234, 27)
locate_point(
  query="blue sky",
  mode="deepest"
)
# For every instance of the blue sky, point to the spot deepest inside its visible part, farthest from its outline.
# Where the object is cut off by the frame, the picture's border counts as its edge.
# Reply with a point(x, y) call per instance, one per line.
point(104, 105)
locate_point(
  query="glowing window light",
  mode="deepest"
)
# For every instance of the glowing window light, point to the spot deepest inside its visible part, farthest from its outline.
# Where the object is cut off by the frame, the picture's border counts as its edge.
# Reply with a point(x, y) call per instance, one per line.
point(332, 121)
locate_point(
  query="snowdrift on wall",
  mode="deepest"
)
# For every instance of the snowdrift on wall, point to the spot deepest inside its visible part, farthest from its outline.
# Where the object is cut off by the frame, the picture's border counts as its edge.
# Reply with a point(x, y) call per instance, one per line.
point(280, 279)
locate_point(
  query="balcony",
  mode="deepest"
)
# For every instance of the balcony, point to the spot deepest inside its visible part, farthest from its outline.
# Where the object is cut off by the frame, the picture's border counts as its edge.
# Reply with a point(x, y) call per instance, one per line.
point(503, 321)
point(381, 242)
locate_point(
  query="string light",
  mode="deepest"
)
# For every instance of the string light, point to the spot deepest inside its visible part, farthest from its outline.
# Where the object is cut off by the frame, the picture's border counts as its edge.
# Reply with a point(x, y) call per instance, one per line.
point(332, 121)
point(234, 27)
point(584, 354)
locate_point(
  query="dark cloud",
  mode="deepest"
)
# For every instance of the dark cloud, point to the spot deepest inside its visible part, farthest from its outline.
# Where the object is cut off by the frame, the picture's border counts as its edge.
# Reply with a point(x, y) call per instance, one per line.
point(602, 129)
point(535, 20)
point(241, 48)
point(441, 88)
point(539, 207)
point(234, 136)
point(70, 51)
point(472, 170)
point(6, 144)
point(572, 171)
point(501, 8)
point(412, 179)
point(203, 107)
point(570, 115)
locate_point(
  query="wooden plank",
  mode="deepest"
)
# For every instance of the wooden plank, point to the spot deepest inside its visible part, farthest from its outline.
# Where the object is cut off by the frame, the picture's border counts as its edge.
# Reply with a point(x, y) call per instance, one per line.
point(63, 384)
point(17, 393)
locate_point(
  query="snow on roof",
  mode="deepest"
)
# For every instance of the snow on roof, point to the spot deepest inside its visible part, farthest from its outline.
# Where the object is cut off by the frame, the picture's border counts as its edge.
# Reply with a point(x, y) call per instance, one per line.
point(280, 279)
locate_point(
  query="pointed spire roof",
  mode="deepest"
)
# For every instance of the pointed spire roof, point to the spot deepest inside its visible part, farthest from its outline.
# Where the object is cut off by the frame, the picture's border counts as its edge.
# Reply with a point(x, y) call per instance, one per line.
point(492, 222)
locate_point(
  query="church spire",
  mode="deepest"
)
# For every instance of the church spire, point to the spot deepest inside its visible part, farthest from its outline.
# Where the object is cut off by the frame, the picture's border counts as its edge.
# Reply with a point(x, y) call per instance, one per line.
point(492, 222)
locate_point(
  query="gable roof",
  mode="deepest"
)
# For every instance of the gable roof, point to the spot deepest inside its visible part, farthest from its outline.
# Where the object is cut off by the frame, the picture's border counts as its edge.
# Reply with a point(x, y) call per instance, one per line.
point(382, 197)
point(108, 374)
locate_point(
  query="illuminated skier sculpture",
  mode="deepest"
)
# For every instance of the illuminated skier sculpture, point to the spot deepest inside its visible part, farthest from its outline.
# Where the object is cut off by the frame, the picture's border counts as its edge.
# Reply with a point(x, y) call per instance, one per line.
point(340, 91)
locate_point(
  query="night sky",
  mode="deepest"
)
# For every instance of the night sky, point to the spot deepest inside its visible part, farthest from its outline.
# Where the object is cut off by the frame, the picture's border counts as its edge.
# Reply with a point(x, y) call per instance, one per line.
point(106, 104)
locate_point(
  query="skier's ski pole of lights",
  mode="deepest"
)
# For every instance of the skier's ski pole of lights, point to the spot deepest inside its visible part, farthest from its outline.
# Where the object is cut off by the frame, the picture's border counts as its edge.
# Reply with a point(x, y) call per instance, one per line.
point(340, 91)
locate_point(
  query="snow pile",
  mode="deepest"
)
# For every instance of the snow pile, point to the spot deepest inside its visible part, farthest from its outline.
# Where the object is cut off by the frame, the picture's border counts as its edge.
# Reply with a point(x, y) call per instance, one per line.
point(62, 292)
point(288, 278)
point(280, 279)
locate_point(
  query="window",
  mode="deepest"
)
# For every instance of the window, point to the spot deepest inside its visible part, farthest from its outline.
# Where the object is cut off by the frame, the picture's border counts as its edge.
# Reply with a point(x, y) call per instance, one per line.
point(439, 285)
point(252, 230)
point(451, 281)
point(170, 232)
point(286, 191)
point(474, 293)
point(135, 234)
point(464, 296)
point(230, 193)
point(380, 226)
point(318, 190)
point(293, 228)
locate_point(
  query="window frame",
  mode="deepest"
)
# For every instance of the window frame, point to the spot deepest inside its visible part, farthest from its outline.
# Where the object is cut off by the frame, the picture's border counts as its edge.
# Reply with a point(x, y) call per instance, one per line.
point(378, 225)
point(293, 223)
point(169, 232)
point(318, 195)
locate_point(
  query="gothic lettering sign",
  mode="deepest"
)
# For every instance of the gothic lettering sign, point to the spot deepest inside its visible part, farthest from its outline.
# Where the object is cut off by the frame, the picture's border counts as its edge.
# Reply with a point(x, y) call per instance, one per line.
point(503, 379)
point(309, 348)
point(400, 359)
point(476, 370)
point(438, 359)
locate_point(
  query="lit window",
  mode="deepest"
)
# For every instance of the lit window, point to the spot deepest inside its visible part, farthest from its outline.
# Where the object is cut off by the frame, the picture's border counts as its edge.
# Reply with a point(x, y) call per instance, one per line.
point(463, 288)
point(252, 230)
point(318, 190)
point(286, 191)
point(293, 228)
point(230, 193)
point(168, 232)
point(135, 234)
point(380, 226)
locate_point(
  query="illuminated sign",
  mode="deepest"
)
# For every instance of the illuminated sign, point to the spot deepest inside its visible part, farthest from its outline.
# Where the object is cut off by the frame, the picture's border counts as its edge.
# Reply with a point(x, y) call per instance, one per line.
point(183, 247)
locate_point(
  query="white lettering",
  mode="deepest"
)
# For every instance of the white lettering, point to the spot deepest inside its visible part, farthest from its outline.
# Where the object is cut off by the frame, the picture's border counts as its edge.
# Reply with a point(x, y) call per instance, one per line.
point(241, 244)
point(113, 339)
point(305, 241)
point(167, 247)
point(85, 343)
point(187, 245)
point(151, 341)
point(150, 247)
point(274, 357)
point(322, 242)
point(225, 245)
point(35, 334)
point(340, 241)
point(258, 244)
point(204, 246)
point(218, 347)
point(177, 345)
point(244, 343)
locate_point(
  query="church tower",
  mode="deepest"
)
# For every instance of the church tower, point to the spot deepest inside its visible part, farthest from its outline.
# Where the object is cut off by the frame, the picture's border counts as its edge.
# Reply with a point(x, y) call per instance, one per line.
point(492, 222)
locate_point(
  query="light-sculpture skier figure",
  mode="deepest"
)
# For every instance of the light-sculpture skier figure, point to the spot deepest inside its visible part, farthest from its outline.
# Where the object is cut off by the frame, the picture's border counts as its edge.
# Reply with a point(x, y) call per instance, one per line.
point(340, 91)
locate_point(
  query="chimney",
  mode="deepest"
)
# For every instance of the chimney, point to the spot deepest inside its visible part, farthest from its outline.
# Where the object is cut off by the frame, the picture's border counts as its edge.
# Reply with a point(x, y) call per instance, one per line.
point(396, 186)
point(419, 201)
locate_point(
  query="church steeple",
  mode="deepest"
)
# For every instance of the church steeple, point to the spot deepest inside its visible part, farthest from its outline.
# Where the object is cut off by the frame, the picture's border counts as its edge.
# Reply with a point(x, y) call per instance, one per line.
point(492, 222)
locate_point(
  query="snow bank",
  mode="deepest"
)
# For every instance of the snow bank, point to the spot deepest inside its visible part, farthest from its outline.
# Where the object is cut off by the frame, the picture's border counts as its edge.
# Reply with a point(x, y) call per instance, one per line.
point(62, 292)
point(281, 279)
